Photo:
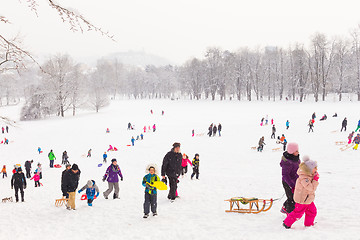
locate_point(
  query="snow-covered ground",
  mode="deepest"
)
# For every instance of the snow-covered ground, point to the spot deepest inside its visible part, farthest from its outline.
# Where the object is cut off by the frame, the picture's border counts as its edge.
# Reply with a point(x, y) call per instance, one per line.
point(228, 168)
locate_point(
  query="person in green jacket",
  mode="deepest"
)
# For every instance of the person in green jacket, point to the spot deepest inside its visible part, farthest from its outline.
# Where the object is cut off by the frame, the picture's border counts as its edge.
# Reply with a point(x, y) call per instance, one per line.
point(51, 158)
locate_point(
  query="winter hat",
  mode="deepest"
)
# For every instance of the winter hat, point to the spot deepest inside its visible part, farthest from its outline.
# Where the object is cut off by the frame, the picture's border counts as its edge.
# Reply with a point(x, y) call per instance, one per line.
point(175, 145)
point(90, 183)
point(292, 148)
point(113, 160)
point(151, 166)
point(309, 163)
point(19, 169)
point(75, 167)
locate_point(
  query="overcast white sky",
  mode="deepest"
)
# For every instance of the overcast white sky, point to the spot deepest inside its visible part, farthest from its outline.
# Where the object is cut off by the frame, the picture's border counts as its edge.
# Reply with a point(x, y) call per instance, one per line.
point(178, 30)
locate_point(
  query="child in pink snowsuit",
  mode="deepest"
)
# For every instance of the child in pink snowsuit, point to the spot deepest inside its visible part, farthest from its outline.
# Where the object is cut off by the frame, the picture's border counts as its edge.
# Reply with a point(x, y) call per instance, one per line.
point(304, 194)
point(184, 163)
point(36, 178)
point(350, 137)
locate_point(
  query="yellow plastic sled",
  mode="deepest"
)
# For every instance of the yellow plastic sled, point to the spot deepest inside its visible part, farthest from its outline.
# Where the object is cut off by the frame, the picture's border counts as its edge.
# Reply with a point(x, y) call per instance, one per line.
point(159, 185)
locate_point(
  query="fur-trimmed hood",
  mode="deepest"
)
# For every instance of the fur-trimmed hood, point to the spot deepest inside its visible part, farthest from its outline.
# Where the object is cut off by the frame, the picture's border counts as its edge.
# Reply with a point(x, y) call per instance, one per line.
point(151, 165)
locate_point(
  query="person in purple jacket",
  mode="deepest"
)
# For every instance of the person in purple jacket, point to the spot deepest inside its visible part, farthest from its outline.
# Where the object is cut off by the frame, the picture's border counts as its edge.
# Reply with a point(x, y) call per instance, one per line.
point(112, 175)
point(290, 163)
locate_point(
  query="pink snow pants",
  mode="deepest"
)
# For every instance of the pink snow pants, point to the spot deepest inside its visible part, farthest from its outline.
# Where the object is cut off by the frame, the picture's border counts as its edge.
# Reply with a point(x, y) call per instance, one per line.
point(349, 141)
point(310, 214)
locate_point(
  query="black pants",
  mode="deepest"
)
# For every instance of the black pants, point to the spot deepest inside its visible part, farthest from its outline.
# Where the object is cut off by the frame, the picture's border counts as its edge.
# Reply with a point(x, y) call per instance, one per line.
point(4, 174)
point(311, 129)
point(273, 135)
point(195, 172)
point(104, 160)
point(173, 188)
point(184, 170)
point(150, 201)
point(210, 133)
point(28, 173)
point(343, 127)
point(51, 163)
point(289, 204)
point(285, 146)
point(17, 188)
point(37, 183)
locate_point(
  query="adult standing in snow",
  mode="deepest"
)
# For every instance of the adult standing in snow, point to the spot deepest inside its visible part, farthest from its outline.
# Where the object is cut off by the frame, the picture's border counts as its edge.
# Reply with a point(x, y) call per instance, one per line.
point(290, 163)
point(219, 129)
point(7, 129)
point(273, 132)
point(112, 175)
point(28, 168)
point(71, 182)
point(343, 125)
point(311, 125)
point(65, 158)
point(210, 130)
point(214, 130)
point(63, 187)
point(171, 167)
point(52, 157)
point(19, 182)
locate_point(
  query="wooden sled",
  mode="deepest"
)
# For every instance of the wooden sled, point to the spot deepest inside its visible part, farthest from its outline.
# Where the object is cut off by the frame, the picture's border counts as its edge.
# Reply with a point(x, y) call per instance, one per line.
point(254, 205)
point(200, 134)
point(346, 147)
point(340, 143)
point(253, 148)
point(60, 202)
point(276, 149)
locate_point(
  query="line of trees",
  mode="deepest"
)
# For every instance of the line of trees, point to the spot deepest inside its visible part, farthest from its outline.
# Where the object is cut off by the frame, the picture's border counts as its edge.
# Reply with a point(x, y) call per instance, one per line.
point(298, 72)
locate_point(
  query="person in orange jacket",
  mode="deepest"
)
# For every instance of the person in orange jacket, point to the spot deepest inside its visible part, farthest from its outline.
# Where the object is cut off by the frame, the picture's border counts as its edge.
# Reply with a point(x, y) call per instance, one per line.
point(4, 171)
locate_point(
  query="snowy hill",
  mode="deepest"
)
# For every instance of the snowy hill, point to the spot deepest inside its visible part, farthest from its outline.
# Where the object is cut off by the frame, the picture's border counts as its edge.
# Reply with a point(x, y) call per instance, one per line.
point(228, 168)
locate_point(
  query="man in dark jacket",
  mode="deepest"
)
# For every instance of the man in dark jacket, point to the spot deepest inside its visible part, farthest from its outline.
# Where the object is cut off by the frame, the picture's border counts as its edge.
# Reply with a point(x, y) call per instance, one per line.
point(63, 187)
point(214, 130)
point(273, 132)
point(28, 168)
point(219, 129)
point(171, 167)
point(290, 164)
point(71, 182)
point(19, 182)
point(344, 124)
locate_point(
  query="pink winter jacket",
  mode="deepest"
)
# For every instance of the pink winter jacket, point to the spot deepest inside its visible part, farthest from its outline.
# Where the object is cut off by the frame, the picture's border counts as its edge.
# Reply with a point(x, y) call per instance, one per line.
point(185, 162)
point(36, 177)
point(305, 186)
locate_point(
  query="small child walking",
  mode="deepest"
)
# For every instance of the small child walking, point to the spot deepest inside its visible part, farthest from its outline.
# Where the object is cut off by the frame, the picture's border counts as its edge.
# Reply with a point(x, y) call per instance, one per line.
point(92, 190)
point(105, 157)
point(195, 164)
point(150, 192)
point(350, 137)
point(304, 194)
point(36, 178)
point(3, 170)
point(184, 163)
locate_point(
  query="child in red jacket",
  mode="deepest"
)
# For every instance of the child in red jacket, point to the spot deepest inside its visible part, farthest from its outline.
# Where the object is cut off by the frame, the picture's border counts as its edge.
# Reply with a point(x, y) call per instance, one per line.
point(36, 178)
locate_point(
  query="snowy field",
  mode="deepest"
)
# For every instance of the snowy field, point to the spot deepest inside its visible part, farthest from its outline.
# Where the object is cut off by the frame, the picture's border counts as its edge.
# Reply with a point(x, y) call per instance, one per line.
point(228, 168)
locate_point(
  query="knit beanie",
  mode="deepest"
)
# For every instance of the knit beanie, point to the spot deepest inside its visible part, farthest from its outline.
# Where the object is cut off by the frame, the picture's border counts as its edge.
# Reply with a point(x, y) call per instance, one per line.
point(309, 163)
point(292, 148)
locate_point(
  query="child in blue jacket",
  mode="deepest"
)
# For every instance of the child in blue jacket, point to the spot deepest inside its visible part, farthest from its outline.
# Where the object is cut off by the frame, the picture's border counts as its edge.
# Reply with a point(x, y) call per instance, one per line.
point(91, 189)
point(150, 192)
